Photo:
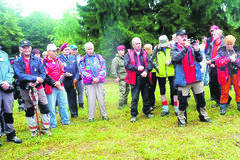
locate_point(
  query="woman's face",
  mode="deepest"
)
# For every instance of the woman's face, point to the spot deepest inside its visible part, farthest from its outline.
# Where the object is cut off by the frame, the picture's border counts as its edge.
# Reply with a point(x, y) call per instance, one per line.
point(230, 45)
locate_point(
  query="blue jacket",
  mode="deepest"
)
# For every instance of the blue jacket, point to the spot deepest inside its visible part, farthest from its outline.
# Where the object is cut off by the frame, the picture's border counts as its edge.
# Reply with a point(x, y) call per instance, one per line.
point(177, 58)
point(6, 71)
point(37, 69)
point(70, 66)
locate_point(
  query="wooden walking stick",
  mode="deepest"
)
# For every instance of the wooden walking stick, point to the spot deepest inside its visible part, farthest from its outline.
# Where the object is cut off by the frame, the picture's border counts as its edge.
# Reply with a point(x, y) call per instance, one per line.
point(34, 97)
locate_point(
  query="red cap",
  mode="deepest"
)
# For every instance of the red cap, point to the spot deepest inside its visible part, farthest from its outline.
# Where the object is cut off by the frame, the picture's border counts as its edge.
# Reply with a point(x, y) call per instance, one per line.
point(214, 27)
point(121, 47)
point(65, 45)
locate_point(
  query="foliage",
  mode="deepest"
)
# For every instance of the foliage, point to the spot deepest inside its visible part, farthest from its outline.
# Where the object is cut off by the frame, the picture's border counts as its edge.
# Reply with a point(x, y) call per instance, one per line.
point(37, 28)
point(157, 138)
point(10, 32)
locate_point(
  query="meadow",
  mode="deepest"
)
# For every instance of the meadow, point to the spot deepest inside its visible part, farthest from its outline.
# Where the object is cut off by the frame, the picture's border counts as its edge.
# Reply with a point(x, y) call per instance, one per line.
point(118, 138)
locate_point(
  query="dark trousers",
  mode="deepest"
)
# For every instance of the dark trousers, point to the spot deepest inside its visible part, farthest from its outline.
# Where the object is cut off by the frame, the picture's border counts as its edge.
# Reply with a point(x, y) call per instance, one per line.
point(142, 85)
point(162, 86)
point(152, 88)
point(215, 88)
point(72, 101)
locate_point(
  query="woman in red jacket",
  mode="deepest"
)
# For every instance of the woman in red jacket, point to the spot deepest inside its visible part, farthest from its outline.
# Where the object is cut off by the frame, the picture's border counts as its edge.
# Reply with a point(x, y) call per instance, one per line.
point(228, 63)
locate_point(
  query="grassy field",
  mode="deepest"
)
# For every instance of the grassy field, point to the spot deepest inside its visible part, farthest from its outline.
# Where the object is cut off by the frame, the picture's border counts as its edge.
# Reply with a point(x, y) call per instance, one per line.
point(158, 138)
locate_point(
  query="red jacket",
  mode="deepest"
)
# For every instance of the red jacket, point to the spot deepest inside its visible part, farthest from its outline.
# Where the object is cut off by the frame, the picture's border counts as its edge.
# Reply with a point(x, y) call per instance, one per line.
point(131, 75)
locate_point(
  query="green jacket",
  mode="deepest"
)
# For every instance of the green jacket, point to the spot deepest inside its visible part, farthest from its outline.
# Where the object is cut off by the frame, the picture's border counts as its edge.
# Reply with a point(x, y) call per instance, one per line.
point(161, 59)
point(117, 68)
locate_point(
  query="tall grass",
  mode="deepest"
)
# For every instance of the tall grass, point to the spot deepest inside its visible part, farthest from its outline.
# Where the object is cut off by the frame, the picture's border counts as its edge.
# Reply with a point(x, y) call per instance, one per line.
point(158, 138)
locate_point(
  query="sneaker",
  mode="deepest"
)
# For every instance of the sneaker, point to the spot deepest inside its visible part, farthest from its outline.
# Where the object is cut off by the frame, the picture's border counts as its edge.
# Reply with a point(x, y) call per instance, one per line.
point(215, 106)
point(15, 139)
point(133, 119)
point(229, 106)
point(34, 134)
point(222, 112)
point(91, 120)
point(105, 118)
point(46, 131)
point(149, 115)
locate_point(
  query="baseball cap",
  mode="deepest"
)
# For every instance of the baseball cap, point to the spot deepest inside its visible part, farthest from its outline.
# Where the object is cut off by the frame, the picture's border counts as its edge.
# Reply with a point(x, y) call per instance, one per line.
point(73, 46)
point(181, 32)
point(163, 41)
point(25, 43)
point(51, 47)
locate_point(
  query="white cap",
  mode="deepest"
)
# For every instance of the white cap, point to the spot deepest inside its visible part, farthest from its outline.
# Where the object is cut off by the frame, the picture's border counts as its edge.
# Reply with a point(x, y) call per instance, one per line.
point(51, 47)
point(163, 41)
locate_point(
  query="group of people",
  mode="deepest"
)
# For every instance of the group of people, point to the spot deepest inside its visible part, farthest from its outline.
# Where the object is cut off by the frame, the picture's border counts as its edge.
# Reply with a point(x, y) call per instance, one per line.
point(53, 80)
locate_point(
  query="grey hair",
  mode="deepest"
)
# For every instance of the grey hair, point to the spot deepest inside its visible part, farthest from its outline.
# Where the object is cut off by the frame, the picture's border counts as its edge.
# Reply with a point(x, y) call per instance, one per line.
point(88, 44)
point(135, 38)
point(219, 32)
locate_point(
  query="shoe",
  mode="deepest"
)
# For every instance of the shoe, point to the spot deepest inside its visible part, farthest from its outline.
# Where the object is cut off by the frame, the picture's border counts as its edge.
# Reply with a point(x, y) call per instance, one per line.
point(74, 116)
point(34, 134)
point(81, 105)
point(222, 112)
point(211, 99)
point(133, 119)
point(15, 139)
point(68, 123)
point(149, 115)
point(105, 118)
point(206, 120)
point(91, 120)
point(181, 125)
point(215, 106)
point(164, 114)
point(46, 131)
point(120, 107)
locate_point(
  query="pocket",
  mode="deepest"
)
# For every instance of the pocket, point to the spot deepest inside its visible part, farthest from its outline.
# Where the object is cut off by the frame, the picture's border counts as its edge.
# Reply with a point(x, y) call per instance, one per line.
point(222, 75)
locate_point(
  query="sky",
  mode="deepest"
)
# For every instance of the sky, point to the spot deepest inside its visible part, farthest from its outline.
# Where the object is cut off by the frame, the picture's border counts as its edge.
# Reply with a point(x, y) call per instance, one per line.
point(55, 8)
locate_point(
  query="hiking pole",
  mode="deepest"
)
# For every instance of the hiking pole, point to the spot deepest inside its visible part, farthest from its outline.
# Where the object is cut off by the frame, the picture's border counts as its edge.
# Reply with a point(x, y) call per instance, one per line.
point(34, 97)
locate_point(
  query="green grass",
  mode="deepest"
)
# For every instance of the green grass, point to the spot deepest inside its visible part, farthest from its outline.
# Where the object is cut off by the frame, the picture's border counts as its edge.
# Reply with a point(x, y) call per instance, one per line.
point(158, 138)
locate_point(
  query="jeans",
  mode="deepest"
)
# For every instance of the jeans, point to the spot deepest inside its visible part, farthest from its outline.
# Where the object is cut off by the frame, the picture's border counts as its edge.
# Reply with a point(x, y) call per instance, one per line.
point(61, 98)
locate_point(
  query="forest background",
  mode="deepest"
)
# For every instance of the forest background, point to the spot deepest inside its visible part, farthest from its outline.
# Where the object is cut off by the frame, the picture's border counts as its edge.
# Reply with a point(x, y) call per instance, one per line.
point(108, 23)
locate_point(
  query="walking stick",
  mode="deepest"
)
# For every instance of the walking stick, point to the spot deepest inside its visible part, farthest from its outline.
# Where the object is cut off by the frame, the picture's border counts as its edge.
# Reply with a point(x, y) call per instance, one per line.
point(34, 97)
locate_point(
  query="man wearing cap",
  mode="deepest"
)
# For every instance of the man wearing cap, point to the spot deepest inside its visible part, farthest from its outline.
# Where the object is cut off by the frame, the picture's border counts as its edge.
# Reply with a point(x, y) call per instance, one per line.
point(6, 97)
point(79, 83)
point(165, 70)
point(186, 57)
point(30, 72)
point(138, 65)
point(54, 86)
point(71, 77)
point(93, 72)
point(119, 73)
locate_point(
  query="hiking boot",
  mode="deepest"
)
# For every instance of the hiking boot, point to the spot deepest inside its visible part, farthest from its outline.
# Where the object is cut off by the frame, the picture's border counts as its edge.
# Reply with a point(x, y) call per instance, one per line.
point(34, 134)
point(46, 131)
point(81, 105)
point(149, 115)
point(206, 120)
point(222, 109)
point(229, 106)
point(133, 119)
point(91, 120)
point(105, 118)
point(164, 114)
point(15, 139)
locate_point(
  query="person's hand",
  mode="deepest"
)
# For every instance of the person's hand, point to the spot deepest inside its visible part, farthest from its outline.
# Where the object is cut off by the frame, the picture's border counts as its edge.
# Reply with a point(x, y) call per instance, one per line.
point(117, 80)
point(209, 62)
point(58, 85)
point(187, 44)
point(168, 63)
point(140, 68)
point(144, 74)
point(39, 80)
point(5, 85)
point(75, 80)
point(212, 65)
point(95, 80)
point(233, 58)
point(31, 84)
point(68, 74)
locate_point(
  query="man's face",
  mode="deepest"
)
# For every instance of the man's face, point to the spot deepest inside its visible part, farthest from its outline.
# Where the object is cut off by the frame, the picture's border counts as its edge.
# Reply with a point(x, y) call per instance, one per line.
point(121, 52)
point(90, 50)
point(52, 54)
point(137, 45)
point(26, 50)
point(182, 39)
point(74, 52)
point(66, 51)
point(216, 36)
